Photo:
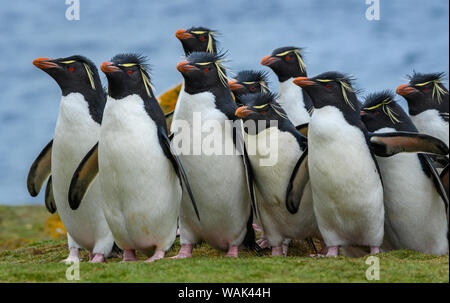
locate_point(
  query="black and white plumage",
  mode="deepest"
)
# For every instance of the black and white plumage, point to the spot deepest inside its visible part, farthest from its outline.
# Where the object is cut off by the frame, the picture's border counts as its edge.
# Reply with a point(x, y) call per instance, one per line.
point(140, 177)
point(248, 82)
point(346, 185)
point(218, 180)
point(287, 63)
point(282, 182)
point(415, 211)
point(77, 130)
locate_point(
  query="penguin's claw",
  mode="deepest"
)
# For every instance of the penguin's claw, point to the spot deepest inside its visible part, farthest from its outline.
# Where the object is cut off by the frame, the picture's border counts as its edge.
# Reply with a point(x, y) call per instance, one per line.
point(98, 258)
point(185, 252)
point(159, 254)
point(277, 251)
point(71, 259)
point(232, 251)
point(129, 256)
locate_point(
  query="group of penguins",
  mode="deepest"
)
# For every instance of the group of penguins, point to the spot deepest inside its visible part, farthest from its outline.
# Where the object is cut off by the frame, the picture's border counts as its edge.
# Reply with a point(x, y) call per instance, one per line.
point(361, 177)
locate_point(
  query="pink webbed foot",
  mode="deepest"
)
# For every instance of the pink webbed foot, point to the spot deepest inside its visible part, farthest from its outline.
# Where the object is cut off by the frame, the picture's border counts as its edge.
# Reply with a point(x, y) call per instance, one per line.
point(277, 251)
point(333, 251)
point(73, 256)
point(129, 255)
point(374, 250)
point(159, 254)
point(98, 258)
point(262, 242)
point(232, 251)
point(185, 252)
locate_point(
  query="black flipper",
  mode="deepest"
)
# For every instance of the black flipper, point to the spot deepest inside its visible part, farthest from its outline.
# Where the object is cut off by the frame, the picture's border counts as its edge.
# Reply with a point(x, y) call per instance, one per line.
point(164, 139)
point(40, 170)
point(297, 182)
point(49, 198)
point(83, 177)
point(439, 161)
point(250, 237)
point(240, 145)
point(427, 165)
point(303, 129)
point(444, 179)
point(389, 144)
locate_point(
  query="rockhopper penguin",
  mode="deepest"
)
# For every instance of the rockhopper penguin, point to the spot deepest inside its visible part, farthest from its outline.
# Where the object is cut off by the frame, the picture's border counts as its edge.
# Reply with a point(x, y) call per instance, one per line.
point(77, 130)
point(286, 183)
point(346, 185)
point(217, 179)
point(248, 82)
point(139, 175)
point(287, 63)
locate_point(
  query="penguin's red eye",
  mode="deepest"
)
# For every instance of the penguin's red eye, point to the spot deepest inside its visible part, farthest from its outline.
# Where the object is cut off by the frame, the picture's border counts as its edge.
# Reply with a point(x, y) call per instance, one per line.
point(202, 38)
point(206, 70)
point(288, 58)
point(130, 72)
point(264, 112)
point(376, 113)
point(328, 86)
point(71, 69)
point(252, 88)
point(425, 90)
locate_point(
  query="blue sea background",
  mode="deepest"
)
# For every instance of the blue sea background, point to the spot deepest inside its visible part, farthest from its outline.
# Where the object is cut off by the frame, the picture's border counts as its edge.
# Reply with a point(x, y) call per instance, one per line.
point(411, 34)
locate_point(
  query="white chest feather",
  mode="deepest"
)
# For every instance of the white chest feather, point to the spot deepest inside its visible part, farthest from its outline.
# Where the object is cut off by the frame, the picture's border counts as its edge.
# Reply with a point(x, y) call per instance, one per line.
point(347, 190)
point(291, 99)
point(430, 122)
point(75, 134)
point(217, 180)
point(140, 187)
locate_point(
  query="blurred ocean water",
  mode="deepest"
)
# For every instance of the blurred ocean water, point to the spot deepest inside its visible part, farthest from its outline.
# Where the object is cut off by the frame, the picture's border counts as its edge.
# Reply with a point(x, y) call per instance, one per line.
point(412, 34)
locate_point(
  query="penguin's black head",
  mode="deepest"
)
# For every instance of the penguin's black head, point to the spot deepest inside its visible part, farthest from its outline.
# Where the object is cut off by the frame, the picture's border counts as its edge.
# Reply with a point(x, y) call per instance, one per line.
point(75, 74)
point(286, 62)
point(380, 110)
point(197, 39)
point(261, 108)
point(425, 91)
point(331, 89)
point(127, 74)
point(248, 82)
point(202, 71)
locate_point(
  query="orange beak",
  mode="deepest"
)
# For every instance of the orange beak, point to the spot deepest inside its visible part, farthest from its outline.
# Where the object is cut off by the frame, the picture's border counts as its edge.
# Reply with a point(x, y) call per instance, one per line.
point(182, 34)
point(108, 67)
point(303, 81)
point(405, 89)
point(268, 60)
point(234, 85)
point(44, 63)
point(184, 67)
point(242, 112)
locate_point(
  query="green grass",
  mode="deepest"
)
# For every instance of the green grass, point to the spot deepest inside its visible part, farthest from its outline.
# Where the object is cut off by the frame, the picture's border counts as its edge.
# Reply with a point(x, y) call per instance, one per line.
point(38, 261)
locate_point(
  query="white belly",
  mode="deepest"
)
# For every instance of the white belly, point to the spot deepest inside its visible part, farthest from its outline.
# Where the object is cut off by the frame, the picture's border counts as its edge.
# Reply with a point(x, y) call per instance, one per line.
point(75, 134)
point(430, 122)
point(278, 223)
point(347, 190)
point(217, 181)
point(415, 213)
point(291, 100)
point(140, 187)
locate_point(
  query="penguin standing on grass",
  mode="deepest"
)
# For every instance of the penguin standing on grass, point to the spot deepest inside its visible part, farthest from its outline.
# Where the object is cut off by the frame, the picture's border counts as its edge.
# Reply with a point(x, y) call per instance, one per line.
point(77, 129)
point(139, 175)
point(346, 184)
point(248, 82)
point(287, 63)
point(414, 198)
point(285, 184)
point(218, 178)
